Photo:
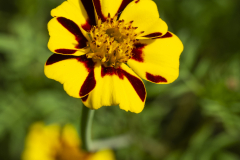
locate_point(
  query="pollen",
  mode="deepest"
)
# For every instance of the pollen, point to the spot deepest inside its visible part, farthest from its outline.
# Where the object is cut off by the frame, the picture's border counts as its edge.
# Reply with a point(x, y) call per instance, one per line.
point(112, 42)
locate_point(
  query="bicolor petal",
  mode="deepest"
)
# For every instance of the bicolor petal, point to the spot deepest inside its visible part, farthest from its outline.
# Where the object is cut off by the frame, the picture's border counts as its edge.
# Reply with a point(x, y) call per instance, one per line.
point(78, 11)
point(105, 7)
point(143, 13)
point(158, 29)
point(157, 60)
point(117, 86)
point(76, 73)
point(66, 37)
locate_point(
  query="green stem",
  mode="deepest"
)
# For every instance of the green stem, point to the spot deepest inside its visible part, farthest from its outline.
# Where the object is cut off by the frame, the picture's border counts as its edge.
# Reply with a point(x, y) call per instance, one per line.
point(86, 125)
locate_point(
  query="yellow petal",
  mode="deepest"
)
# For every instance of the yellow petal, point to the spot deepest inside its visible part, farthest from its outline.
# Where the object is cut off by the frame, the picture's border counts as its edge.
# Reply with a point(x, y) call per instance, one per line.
point(75, 11)
point(143, 13)
point(74, 72)
point(70, 136)
point(105, 7)
point(102, 155)
point(40, 142)
point(158, 29)
point(117, 86)
point(66, 37)
point(157, 60)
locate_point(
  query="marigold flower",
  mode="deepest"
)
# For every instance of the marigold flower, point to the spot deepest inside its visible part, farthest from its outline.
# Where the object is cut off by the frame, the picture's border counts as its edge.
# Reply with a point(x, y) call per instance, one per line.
point(102, 48)
point(55, 143)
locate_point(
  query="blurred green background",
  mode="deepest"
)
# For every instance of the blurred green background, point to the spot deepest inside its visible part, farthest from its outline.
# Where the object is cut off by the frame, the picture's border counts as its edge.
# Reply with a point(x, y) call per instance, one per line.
point(195, 118)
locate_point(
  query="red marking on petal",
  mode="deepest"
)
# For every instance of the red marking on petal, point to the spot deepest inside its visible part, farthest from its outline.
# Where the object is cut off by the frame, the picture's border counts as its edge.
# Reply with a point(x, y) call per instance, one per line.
point(98, 9)
point(80, 45)
point(135, 82)
point(75, 30)
point(88, 5)
point(167, 35)
point(88, 85)
point(58, 57)
point(137, 85)
point(152, 35)
point(90, 81)
point(84, 99)
point(137, 1)
point(137, 52)
point(111, 71)
point(123, 5)
point(155, 78)
point(88, 63)
point(87, 26)
point(139, 45)
point(65, 51)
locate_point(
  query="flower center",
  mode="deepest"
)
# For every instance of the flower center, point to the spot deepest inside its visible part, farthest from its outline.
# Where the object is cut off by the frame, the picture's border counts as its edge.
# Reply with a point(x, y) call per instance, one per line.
point(66, 152)
point(112, 42)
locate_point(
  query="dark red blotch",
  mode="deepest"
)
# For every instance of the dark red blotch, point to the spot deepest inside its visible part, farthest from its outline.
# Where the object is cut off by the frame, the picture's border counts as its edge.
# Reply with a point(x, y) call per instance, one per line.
point(65, 51)
point(88, 63)
point(122, 6)
point(137, 85)
point(84, 99)
point(90, 81)
point(155, 78)
point(87, 26)
point(111, 71)
point(98, 8)
point(152, 35)
point(137, 52)
point(88, 85)
point(167, 35)
point(88, 5)
point(58, 57)
point(135, 82)
point(75, 30)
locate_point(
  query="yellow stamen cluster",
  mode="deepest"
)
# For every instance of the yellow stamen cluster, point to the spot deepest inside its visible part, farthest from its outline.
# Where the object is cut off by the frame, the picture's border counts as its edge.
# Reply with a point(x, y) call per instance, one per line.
point(112, 42)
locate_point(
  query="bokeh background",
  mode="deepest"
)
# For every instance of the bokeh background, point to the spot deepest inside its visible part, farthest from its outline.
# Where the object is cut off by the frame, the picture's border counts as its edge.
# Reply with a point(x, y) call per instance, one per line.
point(195, 118)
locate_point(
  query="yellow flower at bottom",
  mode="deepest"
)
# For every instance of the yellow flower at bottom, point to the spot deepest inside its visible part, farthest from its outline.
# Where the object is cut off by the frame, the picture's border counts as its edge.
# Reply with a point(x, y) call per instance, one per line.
point(55, 143)
point(102, 49)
